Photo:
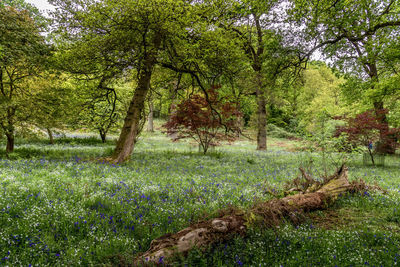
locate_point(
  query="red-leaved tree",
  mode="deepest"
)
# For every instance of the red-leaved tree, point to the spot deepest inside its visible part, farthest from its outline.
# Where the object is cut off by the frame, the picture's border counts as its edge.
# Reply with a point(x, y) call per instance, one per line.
point(367, 130)
point(207, 120)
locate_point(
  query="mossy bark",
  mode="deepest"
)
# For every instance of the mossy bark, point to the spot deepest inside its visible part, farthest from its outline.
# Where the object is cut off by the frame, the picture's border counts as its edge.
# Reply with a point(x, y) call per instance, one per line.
point(131, 127)
point(130, 130)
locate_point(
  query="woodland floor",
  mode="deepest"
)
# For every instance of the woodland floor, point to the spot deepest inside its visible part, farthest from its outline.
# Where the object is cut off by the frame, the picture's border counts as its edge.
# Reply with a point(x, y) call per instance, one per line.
point(59, 207)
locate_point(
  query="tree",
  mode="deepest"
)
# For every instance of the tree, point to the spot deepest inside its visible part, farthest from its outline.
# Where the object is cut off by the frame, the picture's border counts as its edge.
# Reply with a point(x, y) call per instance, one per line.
point(367, 128)
point(355, 35)
point(266, 53)
point(195, 119)
point(100, 105)
point(52, 98)
point(23, 54)
point(320, 94)
point(116, 36)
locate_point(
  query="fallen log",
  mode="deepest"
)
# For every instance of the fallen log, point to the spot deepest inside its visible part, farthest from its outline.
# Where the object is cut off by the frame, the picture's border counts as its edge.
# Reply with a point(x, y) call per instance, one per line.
point(269, 213)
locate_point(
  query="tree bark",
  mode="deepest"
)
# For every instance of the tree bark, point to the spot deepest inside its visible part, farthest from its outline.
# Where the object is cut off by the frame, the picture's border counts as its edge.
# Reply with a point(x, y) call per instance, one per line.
point(150, 124)
point(237, 222)
point(257, 67)
point(126, 141)
point(371, 156)
point(50, 134)
point(384, 145)
point(9, 130)
point(103, 135)
point(131, 127)
point(370, 67)
point(261, 121)
point(10, 142)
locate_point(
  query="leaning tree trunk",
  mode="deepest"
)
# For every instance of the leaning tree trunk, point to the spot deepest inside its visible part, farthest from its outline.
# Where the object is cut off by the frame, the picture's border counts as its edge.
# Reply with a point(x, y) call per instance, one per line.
point(131, 127)
point(237, 222)
point(129, 132)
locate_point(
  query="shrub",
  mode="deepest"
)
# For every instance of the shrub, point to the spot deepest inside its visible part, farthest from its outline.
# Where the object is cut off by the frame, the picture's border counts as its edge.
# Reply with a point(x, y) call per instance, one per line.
point(366, 129)
point(207, 119)
point(275, 131)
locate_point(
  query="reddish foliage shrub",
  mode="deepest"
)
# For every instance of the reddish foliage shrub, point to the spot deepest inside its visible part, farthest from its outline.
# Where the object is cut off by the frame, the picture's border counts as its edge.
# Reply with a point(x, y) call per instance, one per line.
point(367, 128)
point(207, 122)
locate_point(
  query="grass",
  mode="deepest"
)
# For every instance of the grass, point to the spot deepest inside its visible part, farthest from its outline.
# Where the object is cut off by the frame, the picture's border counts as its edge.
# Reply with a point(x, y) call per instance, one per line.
point(59, 208)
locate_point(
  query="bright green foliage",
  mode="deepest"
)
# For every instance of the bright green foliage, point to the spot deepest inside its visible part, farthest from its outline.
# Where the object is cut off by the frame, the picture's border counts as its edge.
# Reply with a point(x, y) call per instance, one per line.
point(111, 36)
point(33, 12)
point(320, 97)
point(23, 54)
point(99, 109)
point(52, 97)
point(267, 58)
point(358, 36)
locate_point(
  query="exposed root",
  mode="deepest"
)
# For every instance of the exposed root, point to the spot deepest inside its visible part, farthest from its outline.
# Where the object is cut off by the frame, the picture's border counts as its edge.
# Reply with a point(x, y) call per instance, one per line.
point(271, 213)
point(362, 187)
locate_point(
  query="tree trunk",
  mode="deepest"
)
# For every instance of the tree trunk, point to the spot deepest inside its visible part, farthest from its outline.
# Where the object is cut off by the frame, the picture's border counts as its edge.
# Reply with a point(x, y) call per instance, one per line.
point(261, 121)
point(237, 222)
point(257, 67)
point(50, 134)
point(384, 145)
point(10, 142)
point(150, 124)
point(103, 135)
point(173, 134)
point(131, 128)
point(9, 129)
point(129, 132)
point(372, 156)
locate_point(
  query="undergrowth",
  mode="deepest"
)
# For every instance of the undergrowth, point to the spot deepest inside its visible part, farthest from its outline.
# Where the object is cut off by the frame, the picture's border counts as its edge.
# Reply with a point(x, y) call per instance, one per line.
point(59, 207)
